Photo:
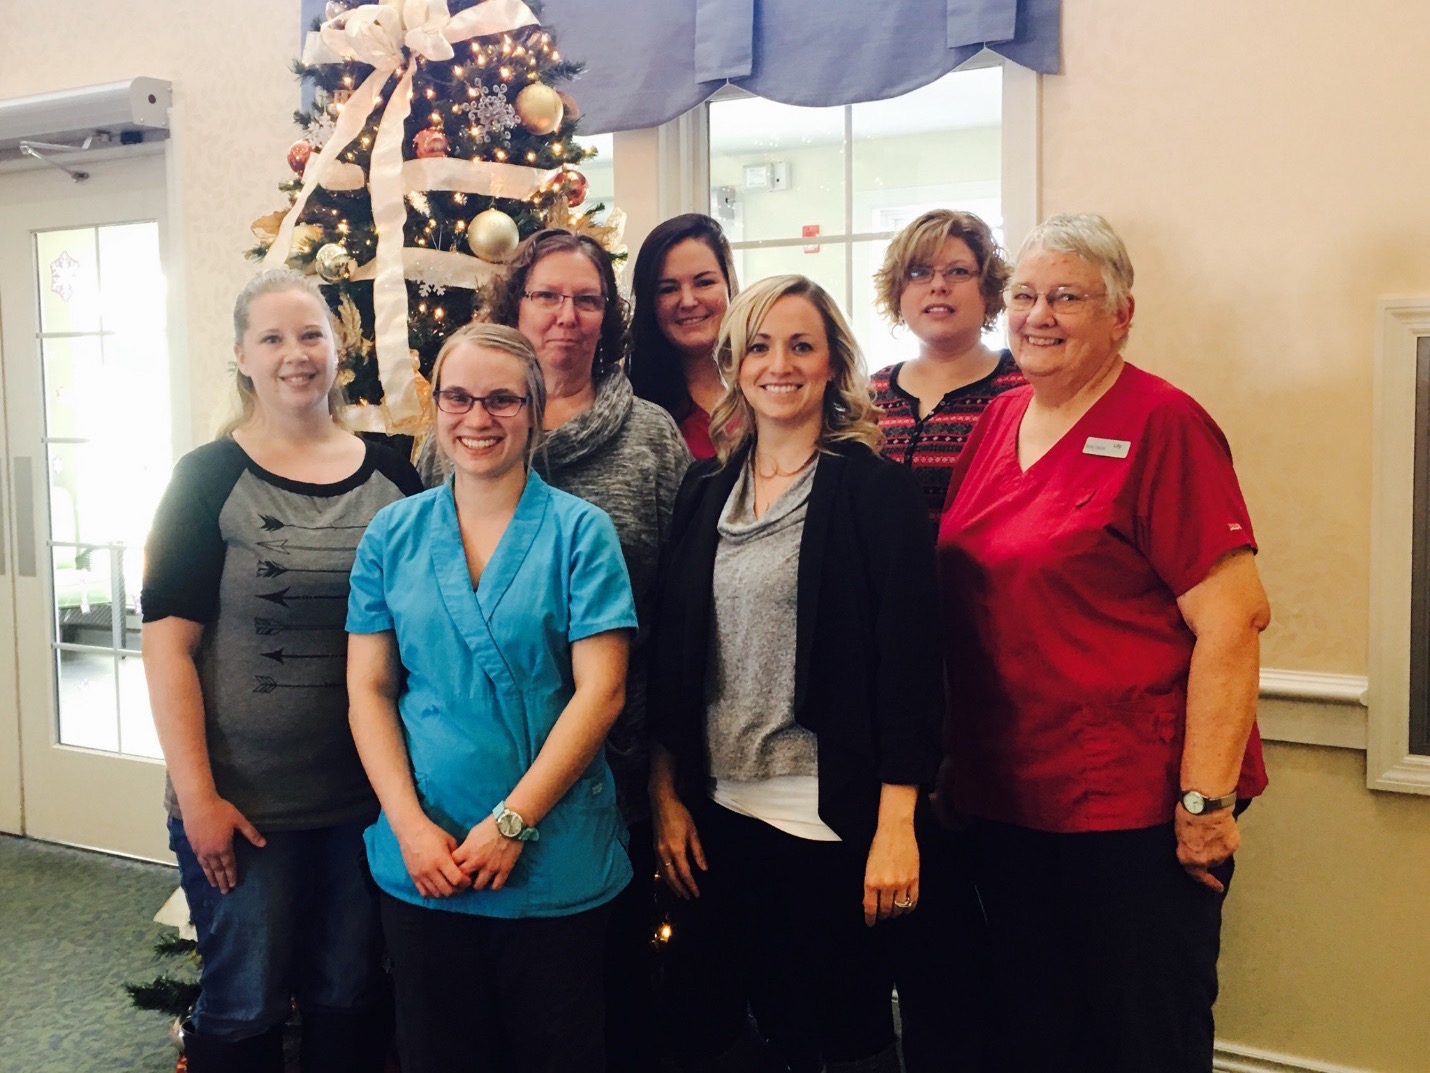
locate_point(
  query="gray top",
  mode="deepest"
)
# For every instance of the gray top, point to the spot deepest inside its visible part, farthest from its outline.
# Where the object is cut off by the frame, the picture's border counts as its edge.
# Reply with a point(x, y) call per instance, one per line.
point(626, 456)
point(263, 562)
point(750, 730)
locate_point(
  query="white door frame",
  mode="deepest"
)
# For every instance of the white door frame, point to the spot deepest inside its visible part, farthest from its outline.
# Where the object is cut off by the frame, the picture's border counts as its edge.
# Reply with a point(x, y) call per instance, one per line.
point(72, 795)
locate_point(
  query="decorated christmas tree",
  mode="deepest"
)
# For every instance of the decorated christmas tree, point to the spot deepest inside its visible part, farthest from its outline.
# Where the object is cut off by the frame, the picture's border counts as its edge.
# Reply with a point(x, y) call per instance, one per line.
point(435, 141)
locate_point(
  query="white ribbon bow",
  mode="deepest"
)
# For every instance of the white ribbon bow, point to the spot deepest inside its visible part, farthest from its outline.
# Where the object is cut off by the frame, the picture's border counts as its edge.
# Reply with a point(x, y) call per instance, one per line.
point(383, 35)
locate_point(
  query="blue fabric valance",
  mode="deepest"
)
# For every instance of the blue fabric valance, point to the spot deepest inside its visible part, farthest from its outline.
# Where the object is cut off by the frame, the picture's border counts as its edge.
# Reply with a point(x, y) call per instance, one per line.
point(648, 61)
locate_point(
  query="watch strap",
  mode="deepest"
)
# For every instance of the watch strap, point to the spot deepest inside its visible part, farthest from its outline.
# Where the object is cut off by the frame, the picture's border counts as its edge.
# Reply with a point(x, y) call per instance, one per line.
point(1208, 804)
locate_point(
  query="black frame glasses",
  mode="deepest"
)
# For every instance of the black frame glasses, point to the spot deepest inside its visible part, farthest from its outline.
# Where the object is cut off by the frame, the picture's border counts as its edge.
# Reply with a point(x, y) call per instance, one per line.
point(497, 404)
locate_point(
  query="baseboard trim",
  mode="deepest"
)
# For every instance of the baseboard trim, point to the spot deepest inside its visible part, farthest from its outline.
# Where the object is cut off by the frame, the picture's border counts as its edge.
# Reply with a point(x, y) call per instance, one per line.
point(1236, 1058)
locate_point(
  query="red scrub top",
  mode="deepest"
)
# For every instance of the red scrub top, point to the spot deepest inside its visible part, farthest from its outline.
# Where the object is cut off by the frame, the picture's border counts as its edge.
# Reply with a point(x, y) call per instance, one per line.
point(1068, 656)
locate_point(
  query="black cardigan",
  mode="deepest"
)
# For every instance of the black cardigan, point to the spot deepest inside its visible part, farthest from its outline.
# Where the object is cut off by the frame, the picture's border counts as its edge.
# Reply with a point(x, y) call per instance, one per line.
point(868, 650)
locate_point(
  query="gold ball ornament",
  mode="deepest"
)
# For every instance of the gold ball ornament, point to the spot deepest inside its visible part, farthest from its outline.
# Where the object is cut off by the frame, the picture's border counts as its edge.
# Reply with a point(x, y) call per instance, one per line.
point(333, 262)
point(430, 142)
point(492, 235)
point(538, 106)
point(299, 154)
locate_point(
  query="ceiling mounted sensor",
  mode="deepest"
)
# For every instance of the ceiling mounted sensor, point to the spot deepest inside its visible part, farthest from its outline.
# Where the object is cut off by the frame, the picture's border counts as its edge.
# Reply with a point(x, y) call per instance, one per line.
point(86, 118)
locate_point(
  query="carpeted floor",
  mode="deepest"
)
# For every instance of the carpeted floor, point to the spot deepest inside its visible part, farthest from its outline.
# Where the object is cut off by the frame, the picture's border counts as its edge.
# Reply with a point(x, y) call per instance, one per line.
point(75, 927)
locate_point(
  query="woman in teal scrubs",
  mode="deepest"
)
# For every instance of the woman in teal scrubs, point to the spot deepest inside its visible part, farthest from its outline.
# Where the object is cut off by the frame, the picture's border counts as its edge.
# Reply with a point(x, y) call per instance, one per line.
point(490, 624)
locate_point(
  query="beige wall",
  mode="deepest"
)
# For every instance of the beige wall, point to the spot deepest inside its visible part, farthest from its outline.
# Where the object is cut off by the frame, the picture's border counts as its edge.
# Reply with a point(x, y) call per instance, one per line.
point(1266, 163)
point(233, 102)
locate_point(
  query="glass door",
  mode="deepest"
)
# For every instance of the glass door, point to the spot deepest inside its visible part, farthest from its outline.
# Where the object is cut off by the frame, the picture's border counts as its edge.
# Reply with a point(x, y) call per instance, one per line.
point(83, 325)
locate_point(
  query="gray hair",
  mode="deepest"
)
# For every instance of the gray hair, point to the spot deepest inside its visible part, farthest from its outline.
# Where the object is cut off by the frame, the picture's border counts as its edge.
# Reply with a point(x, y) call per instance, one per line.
point(507, 341)
point(1090, 237)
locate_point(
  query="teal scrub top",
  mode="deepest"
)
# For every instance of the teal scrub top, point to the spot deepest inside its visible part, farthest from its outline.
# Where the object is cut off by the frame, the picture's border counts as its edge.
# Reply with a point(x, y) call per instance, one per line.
point(486, 675)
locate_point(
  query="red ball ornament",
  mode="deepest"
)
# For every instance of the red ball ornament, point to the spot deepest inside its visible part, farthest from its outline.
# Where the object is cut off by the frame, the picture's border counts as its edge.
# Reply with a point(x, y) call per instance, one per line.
point(575, 185)
point(298, 154)
point(430, 142)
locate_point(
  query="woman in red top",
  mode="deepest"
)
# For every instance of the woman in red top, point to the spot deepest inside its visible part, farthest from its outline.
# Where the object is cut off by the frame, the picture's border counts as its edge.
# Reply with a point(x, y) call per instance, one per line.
point(682, 284)
point(1105, 613)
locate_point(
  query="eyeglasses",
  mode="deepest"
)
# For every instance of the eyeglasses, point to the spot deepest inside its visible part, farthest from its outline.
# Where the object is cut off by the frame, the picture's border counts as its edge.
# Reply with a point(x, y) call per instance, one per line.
point(584, 303)
point(497, 404)
point(951, 274)
point(1063, 301)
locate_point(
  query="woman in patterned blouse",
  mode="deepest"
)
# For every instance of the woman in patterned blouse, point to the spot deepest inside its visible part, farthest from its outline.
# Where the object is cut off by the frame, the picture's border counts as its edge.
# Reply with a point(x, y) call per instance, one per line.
point(943, 276)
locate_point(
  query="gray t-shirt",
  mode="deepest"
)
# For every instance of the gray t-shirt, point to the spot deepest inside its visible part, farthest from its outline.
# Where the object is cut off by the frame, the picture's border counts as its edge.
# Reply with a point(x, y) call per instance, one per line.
point(263, 562)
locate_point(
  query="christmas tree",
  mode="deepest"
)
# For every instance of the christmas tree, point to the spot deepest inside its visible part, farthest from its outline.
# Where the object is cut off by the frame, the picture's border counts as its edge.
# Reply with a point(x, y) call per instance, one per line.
point(436, 140)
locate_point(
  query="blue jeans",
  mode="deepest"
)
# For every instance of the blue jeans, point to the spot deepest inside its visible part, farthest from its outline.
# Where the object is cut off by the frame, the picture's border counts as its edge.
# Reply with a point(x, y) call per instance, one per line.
point(301, 923)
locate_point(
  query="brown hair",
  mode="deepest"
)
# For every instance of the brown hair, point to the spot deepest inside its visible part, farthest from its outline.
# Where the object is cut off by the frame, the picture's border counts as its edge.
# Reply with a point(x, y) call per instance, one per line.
point(507, 291)
point(919, 244)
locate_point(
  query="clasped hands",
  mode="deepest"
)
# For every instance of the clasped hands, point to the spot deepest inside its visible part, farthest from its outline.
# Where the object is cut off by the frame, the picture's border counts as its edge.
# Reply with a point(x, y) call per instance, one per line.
point(441, 867)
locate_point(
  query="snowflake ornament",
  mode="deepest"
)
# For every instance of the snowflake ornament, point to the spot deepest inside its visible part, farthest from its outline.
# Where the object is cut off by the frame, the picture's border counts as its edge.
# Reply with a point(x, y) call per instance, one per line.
point(492, 114)
point(64, 275)
point(320, 130)
point(426, 289)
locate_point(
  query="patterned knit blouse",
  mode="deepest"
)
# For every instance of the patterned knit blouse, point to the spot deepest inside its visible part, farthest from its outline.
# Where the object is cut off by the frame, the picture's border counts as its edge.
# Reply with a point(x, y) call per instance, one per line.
point(930, 445)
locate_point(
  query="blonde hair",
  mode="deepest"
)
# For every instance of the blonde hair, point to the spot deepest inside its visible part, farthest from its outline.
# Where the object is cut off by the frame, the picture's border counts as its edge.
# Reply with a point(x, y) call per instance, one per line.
point(921, 242)
point(507, 341)
point(244, 401)
point(848, 415)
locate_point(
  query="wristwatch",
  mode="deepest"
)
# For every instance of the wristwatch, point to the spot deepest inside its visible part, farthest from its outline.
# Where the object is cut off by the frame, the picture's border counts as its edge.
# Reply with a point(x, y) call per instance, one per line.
point(511, 825)
point(1199, 804)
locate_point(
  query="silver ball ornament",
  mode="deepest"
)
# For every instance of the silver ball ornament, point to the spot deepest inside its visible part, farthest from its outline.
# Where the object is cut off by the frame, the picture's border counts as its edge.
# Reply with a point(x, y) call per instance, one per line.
point(334, 263)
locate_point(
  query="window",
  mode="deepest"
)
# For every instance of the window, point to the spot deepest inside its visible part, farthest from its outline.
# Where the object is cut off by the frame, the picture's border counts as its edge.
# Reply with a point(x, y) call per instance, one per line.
point(820, 191)
point(1398, 727)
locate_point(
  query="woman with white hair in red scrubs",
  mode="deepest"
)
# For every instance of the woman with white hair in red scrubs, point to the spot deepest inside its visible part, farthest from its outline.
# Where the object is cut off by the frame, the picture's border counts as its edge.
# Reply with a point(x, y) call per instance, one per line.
point(1097, 562)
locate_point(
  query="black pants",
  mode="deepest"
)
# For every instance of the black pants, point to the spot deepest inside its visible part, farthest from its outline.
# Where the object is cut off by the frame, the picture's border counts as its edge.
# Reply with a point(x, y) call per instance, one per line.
point(1103, 950)
point(779, 915)
point(479, 993)
point(939, 954)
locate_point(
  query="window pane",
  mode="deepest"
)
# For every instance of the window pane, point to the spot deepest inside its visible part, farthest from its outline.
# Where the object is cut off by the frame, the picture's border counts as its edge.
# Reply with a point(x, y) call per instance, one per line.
point(74, 385)
point(776, 168)
point(600, 174)
point(937, 147)
point(89, 714)
point(825, 267)
point(131, 278)
point(69, 280)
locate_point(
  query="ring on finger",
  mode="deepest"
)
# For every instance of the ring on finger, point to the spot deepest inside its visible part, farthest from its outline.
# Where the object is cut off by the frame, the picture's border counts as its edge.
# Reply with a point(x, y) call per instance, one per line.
point(903, 903)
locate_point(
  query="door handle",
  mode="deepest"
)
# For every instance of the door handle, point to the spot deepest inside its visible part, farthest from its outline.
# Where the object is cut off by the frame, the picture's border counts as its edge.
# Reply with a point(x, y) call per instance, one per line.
point(23, 488)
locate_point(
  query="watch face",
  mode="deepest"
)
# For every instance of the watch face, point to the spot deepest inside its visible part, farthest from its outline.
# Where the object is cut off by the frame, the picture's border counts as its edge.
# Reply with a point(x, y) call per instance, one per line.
point(1193, 802)
point(509, 824)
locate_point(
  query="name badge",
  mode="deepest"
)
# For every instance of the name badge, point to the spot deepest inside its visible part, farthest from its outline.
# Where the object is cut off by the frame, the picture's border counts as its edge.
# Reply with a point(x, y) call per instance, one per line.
point(1096, 445)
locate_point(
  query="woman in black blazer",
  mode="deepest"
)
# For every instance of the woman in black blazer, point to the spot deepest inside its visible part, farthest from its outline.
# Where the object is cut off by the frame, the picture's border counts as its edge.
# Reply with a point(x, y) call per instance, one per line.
point(796, 697)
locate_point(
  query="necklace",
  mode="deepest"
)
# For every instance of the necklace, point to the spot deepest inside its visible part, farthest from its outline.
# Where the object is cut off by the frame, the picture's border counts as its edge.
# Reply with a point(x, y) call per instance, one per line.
point(777, 472)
